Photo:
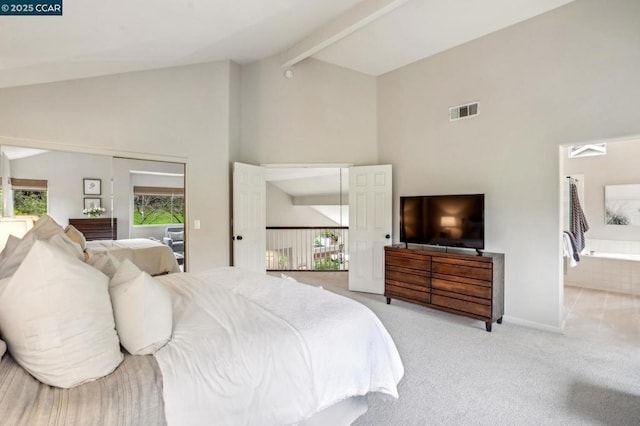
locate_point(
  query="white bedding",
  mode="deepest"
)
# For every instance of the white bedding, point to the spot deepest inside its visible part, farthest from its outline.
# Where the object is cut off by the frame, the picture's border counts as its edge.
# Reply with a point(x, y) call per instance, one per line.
point(254, 349)
point(150, 256)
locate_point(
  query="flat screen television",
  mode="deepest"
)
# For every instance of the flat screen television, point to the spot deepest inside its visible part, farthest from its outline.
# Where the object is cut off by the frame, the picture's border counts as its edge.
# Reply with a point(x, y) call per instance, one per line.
point(443, 220)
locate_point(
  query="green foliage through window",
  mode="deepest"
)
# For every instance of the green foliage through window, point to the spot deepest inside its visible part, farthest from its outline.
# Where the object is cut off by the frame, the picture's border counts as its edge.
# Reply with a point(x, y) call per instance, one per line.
point(158, 209)
point(28, 202)
point(327, 264)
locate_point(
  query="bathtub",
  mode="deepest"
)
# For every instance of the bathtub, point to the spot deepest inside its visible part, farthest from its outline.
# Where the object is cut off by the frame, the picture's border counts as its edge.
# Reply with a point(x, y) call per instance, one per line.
point(620, 256)
point(615, 272)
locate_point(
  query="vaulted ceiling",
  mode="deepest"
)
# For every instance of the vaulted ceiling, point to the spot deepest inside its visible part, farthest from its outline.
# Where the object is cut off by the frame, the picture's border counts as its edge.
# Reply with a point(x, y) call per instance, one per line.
point(95, 38)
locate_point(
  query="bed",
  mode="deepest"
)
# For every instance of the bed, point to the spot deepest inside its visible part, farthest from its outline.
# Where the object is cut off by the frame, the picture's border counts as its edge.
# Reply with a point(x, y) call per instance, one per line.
point(149, 255)
point(226, 346)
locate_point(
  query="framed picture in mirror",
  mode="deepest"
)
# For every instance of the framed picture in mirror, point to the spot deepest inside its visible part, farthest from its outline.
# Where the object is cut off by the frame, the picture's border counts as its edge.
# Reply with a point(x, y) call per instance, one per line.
point(92, 203)
point(92, 186)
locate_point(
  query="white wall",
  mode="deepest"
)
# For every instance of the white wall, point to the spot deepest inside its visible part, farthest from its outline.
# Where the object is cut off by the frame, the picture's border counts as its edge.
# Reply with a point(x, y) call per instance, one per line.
point(181, 112)
point(65, 173)
point(282, 212)
point(324, 114)
point(618, 167)
point(567, 76)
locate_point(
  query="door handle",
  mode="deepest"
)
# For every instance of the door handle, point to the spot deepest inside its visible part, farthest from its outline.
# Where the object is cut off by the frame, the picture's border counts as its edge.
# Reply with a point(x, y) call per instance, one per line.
point(239, 237)
point(387, 236)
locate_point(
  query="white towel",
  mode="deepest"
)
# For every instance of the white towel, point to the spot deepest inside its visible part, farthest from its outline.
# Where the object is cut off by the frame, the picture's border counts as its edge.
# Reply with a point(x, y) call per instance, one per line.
point(568, 250)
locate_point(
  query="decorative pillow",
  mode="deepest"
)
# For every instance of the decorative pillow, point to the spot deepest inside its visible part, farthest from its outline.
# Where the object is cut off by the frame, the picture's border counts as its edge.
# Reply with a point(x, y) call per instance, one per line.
point(12, 243)
point(76, 236)
point(176, 236)
point(57, 320)
point(105, 262)
point(10, 246)
point(142, 309)
point(45, 229)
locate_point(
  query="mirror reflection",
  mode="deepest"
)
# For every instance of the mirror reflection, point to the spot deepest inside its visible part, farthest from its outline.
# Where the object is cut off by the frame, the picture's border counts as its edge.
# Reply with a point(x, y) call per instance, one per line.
point(122, 203)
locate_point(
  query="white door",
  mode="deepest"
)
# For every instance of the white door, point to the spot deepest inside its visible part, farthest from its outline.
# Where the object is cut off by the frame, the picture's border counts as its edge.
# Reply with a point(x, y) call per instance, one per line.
point(370, 226)
point(249, 217)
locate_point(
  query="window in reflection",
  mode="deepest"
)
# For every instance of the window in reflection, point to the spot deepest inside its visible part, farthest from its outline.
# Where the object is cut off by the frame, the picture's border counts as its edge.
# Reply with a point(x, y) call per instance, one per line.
point(142, 199)
point(154, 205)
point(27, 196)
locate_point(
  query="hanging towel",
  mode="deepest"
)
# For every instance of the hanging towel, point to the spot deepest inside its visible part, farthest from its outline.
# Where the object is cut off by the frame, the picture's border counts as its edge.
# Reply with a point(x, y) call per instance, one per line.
point(569, 248)
point(579, 223)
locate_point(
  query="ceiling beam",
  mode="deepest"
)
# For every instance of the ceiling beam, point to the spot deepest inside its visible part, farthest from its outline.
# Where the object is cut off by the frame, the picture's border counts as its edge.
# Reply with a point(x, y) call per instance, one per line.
point(355, 18)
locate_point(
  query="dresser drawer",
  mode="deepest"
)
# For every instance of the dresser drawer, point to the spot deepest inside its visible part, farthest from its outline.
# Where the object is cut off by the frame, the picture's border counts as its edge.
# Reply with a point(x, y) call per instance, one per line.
point(461, 305)
point(422, 263)
point(395, 289)
point(406, 275)
point(99, 228)
point(461, 288)
point(463, 270)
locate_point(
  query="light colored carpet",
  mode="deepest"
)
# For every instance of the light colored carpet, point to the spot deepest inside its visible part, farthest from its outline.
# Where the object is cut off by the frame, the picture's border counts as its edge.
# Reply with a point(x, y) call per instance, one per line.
point(456, 373)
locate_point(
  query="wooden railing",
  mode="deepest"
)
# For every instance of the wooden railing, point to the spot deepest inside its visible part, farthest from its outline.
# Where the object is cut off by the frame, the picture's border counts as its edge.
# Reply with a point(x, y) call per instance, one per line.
point(311, 248)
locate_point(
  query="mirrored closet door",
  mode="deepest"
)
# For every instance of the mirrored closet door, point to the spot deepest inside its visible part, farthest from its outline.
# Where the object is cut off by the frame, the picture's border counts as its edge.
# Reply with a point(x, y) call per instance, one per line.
point(106, 198)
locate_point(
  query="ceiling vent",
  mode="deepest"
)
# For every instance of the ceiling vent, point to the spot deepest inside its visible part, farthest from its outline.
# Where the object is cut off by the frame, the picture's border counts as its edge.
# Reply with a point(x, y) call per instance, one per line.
point(464, 111)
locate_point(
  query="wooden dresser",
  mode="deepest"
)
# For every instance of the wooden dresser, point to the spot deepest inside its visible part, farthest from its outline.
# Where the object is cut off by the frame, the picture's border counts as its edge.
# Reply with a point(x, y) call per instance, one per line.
point(463, 284)
point(96, 228)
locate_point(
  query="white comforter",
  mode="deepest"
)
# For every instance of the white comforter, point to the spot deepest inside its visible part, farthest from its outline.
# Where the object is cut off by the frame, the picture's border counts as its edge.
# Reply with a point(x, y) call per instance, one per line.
point(253, 349)
point(150, 256)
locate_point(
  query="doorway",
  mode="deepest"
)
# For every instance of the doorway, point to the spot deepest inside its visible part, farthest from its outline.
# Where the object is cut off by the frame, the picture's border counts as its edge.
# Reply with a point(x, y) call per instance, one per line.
point(307, 218)
point(370, 220)
point(602, 289)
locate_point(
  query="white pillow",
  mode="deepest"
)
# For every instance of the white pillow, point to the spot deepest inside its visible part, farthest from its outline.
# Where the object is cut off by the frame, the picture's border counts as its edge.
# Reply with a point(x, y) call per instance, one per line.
point(57, 320)
point(76, 236)
point(10, 245)
point(142, 309)
point(3, 345)
point(3, 348)
point(45, 229)
point(105, 262)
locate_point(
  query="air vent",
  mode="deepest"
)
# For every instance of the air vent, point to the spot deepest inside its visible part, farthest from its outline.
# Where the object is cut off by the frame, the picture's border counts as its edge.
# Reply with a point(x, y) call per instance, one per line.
point(464, 111)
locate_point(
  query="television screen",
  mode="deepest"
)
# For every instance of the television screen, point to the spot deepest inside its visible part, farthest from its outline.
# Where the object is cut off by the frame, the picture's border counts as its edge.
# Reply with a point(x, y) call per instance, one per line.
point(443, 220)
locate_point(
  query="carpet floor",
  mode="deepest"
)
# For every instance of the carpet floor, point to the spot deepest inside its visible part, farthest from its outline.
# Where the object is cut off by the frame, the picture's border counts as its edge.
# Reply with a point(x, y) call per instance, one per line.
point(456, 373)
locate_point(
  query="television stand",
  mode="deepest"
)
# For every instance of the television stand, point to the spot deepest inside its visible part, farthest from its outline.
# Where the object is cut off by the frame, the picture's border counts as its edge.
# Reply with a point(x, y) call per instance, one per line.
point(463, 284)
point(479, 251)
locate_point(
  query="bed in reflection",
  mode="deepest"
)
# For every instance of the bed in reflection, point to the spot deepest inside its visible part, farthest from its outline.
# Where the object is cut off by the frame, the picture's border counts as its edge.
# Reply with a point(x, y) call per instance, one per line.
point(149, 255)
point(95, 237)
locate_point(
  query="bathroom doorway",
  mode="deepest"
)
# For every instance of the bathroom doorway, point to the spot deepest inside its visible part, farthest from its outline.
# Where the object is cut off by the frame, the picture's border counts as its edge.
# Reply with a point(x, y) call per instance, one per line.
point(602, 287)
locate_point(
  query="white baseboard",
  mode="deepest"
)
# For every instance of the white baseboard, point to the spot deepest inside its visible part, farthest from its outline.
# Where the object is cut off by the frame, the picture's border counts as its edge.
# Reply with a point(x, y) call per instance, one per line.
point(533, 324)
